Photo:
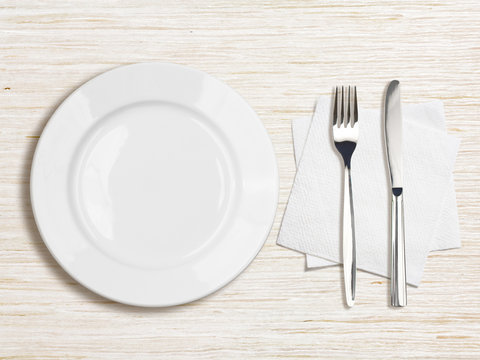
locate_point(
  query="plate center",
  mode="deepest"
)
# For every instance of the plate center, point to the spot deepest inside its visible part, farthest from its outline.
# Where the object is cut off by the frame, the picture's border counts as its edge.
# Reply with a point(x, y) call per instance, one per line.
point(153, 184)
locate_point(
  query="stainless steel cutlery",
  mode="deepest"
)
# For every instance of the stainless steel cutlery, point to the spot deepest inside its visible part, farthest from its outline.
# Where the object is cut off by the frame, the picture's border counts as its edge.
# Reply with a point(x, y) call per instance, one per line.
point(393, 141)
point(345, 130)
point(345, 136)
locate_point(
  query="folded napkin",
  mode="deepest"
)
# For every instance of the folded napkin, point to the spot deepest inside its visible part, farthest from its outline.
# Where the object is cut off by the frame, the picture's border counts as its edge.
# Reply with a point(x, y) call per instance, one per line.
point(446, 235)
point(311, 222)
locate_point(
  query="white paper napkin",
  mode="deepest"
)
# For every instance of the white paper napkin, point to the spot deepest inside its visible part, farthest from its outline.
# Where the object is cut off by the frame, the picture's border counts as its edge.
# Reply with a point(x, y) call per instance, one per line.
point(446, 235)
point(312, 219)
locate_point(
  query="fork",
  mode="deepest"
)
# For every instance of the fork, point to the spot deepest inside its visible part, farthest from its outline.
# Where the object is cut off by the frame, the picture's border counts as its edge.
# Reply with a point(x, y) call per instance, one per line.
point(345, 137)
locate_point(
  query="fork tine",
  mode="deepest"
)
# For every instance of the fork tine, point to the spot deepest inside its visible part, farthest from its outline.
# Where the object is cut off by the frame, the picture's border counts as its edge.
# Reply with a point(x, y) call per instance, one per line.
point(342, 109)
point(347, 99)
point(355, 106)
point(339, 107)
point(335, 111)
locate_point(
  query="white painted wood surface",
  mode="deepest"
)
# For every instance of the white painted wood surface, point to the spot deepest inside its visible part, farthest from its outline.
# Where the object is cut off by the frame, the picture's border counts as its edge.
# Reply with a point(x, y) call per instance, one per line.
point(279, 55)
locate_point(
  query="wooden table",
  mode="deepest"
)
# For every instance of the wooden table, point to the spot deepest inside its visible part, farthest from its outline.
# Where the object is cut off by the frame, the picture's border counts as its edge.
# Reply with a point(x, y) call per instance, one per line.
point(279, 55)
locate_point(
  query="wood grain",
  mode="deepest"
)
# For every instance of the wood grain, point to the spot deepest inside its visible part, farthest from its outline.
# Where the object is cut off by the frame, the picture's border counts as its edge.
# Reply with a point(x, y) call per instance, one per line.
point(279, 55)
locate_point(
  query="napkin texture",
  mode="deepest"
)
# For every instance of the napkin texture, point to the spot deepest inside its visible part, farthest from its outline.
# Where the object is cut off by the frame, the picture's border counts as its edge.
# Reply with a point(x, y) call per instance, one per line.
point(446, 235)
point(311, 222)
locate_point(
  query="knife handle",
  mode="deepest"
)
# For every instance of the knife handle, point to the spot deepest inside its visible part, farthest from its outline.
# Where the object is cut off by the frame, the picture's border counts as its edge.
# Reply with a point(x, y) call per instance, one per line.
point(349, 251)
point(398, 289)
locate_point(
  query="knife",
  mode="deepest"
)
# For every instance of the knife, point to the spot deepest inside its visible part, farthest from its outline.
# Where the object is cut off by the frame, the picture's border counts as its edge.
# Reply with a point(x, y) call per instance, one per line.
point(393, 140)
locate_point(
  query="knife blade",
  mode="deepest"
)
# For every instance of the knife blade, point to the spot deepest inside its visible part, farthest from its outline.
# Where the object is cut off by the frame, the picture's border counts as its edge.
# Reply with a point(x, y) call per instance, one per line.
point(394, 143)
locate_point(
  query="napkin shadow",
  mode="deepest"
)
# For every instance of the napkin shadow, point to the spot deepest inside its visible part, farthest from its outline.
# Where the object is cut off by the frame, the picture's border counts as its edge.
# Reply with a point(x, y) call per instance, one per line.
point(81, 292)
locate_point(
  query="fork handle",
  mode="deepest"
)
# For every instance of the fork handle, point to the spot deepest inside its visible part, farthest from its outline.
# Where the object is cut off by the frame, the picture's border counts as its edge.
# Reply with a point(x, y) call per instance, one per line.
point(349, 251)
point(398, 283)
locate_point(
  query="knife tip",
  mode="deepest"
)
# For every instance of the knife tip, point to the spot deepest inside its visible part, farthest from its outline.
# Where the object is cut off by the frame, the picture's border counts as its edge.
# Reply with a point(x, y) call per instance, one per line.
point(392, 87)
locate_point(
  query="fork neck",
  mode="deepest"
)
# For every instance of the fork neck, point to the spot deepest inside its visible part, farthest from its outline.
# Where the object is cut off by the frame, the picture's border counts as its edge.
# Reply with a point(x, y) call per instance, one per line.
point(346, 148)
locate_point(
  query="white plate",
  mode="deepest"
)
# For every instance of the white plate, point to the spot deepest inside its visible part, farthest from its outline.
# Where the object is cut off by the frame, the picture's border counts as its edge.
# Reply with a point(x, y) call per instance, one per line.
point(154, 184)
